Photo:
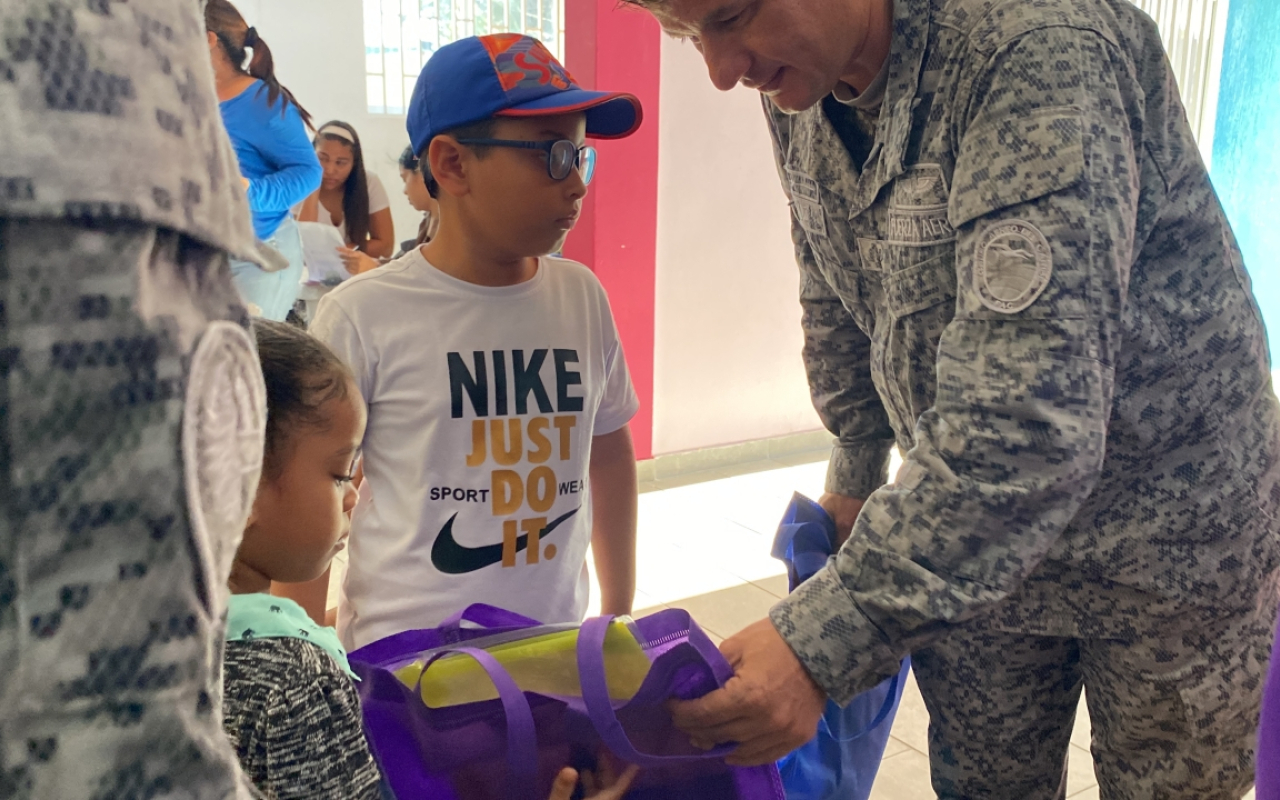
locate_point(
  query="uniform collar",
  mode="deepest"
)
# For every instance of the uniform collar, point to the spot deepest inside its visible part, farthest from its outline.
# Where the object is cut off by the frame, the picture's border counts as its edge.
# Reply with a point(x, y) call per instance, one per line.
point(911, 21)
point(815, 148)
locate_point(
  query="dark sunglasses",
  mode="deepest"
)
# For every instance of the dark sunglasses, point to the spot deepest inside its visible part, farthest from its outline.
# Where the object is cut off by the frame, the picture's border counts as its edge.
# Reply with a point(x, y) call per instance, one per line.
point(562, 155)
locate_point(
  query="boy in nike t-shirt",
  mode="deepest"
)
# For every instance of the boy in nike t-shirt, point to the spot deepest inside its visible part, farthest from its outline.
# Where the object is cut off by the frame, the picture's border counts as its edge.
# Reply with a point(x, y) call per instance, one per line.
point(497, 447)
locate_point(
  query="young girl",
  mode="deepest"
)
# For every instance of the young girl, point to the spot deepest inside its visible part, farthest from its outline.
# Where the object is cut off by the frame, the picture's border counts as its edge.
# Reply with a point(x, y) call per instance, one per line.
point(291, 709)
point(266, 126)
point(419, 196)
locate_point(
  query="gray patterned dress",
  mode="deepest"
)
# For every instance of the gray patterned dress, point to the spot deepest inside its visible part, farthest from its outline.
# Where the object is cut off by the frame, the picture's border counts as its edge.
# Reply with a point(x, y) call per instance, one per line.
point(131, 402)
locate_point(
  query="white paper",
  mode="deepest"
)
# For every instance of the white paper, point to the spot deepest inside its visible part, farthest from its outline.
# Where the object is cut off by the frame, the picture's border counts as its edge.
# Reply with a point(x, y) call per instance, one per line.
point(320, 243)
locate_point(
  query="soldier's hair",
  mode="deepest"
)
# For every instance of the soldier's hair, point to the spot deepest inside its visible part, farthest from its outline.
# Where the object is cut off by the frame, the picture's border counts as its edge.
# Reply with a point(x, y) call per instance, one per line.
point(301, 375)
point(476, 130)
point(236, 38)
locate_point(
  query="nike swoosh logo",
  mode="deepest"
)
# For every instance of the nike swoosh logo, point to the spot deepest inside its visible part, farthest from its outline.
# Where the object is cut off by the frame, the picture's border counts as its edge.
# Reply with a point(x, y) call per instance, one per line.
point(452, 558)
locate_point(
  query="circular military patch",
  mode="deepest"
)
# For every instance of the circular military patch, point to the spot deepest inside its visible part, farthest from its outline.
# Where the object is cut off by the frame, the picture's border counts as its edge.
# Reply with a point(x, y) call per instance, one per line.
point(1012, 266)
point(223, 431)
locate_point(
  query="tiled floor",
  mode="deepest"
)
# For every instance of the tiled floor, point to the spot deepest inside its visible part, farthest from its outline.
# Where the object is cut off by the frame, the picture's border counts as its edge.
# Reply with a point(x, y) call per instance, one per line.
point(704, 546)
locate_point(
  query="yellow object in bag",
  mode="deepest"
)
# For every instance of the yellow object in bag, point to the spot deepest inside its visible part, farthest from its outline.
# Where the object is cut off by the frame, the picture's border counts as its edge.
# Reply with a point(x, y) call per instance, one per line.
point(544, 663)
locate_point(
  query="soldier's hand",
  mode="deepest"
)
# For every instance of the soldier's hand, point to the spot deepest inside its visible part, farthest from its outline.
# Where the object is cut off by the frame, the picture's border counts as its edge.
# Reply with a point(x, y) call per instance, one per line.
point(769, 707)
point(844, 510)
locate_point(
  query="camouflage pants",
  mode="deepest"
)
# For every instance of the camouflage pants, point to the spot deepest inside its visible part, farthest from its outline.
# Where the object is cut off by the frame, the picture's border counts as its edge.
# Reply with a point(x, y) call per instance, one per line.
point(1174, 712)
point(124, 374)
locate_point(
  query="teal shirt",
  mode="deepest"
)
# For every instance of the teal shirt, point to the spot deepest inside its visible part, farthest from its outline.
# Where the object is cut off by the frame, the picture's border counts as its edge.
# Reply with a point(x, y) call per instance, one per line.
point(263, 616)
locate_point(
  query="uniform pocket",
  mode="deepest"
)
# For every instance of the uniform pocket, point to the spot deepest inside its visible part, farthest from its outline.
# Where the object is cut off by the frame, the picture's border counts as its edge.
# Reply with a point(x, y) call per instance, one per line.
point(922, 285)
point(921, 303)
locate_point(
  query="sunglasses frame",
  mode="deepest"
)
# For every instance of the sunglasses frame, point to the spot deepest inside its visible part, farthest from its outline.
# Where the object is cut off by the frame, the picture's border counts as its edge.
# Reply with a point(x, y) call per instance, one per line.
point(548, 146)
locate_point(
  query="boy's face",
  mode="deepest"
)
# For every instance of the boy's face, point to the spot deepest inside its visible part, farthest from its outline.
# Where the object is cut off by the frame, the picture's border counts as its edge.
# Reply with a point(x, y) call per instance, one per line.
point(513, 201)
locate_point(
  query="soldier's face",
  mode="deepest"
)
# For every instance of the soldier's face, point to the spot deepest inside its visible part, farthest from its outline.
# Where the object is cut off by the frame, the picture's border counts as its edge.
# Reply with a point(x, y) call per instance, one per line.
point(792, 51)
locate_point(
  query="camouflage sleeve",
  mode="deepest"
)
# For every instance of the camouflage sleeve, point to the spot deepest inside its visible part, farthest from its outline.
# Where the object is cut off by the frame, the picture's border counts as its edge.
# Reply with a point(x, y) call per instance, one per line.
point(837, 360)
point(1044, 201)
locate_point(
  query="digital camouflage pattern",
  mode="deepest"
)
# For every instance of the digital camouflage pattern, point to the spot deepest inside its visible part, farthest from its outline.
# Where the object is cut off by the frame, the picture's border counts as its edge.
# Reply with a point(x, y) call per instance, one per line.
point(1030, 286)
point(131, 403)
point(108, 111)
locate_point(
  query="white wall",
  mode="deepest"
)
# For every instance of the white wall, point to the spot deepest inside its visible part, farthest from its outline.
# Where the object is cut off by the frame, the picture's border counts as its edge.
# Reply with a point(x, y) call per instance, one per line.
point(727, 354)
point(318, 47)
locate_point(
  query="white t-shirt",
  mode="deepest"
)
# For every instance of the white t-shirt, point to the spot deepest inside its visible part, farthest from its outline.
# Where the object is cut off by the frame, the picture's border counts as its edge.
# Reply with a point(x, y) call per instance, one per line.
point(378, 201)
point(483, 403)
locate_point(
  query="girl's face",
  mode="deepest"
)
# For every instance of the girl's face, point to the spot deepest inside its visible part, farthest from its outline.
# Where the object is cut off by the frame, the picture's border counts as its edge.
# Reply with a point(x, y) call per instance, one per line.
point(415, 188)
point(336, 158)
point(302, 514)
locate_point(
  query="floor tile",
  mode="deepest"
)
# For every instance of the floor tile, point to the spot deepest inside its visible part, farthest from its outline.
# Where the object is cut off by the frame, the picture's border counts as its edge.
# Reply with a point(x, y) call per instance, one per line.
point(732, 548)
point(904, 776)
point(776, 586)
point(1081, 735)
point(729, 610)
point(1079, 771)
point(1092, 793)
point(666, 573)
point(893, 747)
point(911, 725)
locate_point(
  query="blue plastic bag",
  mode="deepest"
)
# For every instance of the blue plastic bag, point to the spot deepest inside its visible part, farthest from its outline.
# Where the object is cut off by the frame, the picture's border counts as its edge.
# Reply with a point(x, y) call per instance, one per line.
point(842, 760)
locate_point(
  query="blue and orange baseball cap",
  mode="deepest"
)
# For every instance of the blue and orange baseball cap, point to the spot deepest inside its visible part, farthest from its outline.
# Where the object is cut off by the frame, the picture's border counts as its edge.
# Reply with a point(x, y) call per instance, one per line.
point(508, 75)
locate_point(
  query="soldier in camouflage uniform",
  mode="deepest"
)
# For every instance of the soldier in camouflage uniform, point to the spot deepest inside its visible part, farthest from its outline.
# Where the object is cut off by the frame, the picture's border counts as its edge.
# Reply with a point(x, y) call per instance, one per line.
point(1014, 267)
point(131, 404)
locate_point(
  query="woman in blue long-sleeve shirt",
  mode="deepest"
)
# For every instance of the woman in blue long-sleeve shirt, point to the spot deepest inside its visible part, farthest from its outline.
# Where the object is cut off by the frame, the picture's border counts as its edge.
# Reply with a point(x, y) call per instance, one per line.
point(277, 160)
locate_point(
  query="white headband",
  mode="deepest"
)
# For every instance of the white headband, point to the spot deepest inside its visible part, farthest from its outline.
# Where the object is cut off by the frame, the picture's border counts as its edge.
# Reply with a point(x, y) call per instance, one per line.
point(334, 130)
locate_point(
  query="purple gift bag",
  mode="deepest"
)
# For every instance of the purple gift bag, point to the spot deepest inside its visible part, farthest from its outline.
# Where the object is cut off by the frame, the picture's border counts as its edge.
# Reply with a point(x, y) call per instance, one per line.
point(514, 746)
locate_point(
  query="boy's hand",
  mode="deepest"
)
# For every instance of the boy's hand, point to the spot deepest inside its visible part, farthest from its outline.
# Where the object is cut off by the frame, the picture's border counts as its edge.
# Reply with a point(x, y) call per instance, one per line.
point(604, 786)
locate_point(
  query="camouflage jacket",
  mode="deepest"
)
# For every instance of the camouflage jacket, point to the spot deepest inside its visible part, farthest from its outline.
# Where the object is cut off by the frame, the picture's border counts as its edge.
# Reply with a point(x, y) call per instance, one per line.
point(108, 111)
point(1031, 287)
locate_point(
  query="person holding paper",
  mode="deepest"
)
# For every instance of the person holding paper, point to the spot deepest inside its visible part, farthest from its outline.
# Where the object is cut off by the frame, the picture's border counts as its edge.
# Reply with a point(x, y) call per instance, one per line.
point(352, 200)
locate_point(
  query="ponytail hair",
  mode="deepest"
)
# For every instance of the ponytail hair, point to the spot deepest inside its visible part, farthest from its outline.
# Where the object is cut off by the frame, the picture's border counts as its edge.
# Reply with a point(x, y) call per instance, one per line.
point(236, 38)
point(355, 194)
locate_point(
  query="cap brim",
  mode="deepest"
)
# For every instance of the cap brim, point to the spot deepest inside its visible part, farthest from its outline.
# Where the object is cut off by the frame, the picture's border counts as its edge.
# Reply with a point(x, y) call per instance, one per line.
point(610, 115)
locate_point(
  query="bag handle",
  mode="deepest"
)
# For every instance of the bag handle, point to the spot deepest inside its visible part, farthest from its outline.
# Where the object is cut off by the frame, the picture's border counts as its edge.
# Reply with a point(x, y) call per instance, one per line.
point(595, 696)
point(522, 736)
point(886, 708)
point(486, 616)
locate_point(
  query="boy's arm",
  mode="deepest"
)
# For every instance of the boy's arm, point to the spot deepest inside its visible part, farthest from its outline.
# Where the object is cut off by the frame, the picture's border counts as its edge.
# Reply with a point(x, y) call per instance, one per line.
point(613, 532)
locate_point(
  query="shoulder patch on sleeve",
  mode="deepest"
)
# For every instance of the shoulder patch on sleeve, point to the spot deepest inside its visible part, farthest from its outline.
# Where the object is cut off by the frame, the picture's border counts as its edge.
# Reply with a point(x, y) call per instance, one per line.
point(1012, 266)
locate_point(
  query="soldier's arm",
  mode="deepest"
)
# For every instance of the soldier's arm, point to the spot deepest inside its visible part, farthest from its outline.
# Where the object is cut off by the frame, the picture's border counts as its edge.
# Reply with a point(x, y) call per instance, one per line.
point(1045, 202)
point(837, 361)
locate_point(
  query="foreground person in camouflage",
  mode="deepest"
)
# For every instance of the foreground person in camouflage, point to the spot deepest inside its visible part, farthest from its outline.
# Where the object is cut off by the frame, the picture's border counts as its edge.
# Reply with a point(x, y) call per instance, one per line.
point(131, 405)
point(1013, 265)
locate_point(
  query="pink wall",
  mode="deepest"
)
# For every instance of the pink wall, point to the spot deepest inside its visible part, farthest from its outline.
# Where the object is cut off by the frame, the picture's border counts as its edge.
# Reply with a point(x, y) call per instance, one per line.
point(621, 50)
